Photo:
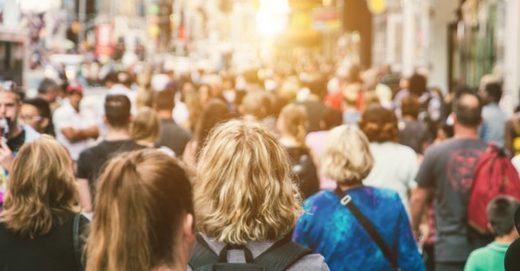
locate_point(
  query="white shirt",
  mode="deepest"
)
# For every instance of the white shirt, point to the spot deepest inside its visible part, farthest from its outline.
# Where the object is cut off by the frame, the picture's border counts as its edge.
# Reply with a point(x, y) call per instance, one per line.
point(395, 167)
point(67, 117)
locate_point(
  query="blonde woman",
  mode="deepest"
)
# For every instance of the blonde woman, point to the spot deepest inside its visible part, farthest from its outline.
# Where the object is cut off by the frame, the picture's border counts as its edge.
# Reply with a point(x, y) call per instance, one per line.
point(331, 226)
point(41, 228)
point(145, 130)
point(292, 125)
point(145, 127)
point(247, 203)
point(143, 216)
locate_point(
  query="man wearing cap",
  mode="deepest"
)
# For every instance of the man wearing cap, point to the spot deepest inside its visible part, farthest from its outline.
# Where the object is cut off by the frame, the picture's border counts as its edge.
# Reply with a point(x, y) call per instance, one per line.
point(74, 128)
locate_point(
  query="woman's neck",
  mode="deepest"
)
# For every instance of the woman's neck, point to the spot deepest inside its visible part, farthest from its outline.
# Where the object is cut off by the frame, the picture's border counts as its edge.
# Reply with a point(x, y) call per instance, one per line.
point(347, 186)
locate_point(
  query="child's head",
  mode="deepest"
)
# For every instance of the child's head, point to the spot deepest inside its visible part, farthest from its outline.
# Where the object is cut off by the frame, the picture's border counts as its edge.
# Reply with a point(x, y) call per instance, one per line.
point(501, 214)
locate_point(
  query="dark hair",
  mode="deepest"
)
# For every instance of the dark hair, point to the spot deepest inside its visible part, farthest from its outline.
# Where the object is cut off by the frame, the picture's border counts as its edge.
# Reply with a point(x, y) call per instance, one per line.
point(41, 105)
point(379, 124)
point(331, 118)
point(468, 115)
point(410, 106)
point(417, 84)
point(164, 99)
point(501, 213)
point(110, 77)
point(215, 112)
point(494, 91)
point(117, 110)
point(45, 85)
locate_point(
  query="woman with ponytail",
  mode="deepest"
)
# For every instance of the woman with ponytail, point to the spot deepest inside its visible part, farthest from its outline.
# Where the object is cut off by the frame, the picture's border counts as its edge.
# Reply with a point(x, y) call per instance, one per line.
point(292, 125)
point(143, 218)
point(395, 165)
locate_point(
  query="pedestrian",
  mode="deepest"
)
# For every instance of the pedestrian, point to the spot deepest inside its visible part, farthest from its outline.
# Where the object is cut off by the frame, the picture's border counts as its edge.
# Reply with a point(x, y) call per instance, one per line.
point(247, 202)
point(292, 125)
point(41, 228)
point(446, 175)
point(501, 216)
point(75, 128)
point(381, 128)
point(117, 140)
point(215, 113)
point(32, 114)
point(345, 238)
point(48, 91)
point(493, 117)
point(143, 215)
point(171, 135)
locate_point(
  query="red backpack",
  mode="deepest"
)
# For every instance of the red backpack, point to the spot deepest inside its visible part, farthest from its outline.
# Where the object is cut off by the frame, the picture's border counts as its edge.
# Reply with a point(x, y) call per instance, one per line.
point(495, 175)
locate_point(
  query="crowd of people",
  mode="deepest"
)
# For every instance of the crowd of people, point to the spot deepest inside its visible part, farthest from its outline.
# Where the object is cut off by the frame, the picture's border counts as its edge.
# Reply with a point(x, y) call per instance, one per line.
point(283, 168)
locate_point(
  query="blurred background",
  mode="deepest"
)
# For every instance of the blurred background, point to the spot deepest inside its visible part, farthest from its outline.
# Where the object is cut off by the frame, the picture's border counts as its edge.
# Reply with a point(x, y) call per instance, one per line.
point(454, 42)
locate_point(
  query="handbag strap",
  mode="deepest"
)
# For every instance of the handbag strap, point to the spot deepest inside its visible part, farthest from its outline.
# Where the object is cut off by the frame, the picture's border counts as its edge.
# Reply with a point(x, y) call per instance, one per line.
point(75, 241)
point(346, 201)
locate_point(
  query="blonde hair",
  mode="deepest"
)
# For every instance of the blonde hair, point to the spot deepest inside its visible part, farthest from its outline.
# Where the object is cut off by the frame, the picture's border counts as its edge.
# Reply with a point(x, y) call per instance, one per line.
point(145, 126)
point(245, 192)
point(144, 98)
point(295, 121)
point(40, 190)
point(142, 200)
point(347, 156)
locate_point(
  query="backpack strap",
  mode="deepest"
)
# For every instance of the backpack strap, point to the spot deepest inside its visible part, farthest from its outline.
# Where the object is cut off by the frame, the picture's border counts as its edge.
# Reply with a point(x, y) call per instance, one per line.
point(278, 257)
point(282, 255)
point(389, 254)
point(202, 254)
point(75, 241)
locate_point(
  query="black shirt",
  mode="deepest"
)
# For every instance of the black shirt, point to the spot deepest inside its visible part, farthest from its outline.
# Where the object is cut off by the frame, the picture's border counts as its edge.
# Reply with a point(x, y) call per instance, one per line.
point(304, 170)
point(53, 251)
point(16, 143)
point(92, 160)
point(315, 111)
point(173, 136)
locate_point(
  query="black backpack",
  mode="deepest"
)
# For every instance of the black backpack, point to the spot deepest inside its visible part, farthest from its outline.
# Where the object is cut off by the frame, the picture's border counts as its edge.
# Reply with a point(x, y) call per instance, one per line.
point(278, 257)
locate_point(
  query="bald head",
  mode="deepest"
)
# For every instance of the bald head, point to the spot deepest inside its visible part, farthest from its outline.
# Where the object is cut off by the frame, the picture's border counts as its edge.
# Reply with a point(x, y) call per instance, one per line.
point(468, 110)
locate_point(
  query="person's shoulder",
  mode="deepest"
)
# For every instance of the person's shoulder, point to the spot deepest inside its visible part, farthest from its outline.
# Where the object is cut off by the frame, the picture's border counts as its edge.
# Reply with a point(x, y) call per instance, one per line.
point(310, 262)
point(321, 198)
point(91, 152)
point(381, 193)
point(177, 129)
point(404, 151)
point(480, 255)
point(61, 111)
point(30, 134)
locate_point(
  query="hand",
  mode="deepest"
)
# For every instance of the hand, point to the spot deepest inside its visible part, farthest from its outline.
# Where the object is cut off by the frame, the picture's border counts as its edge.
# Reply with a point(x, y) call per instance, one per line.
point(6, 156)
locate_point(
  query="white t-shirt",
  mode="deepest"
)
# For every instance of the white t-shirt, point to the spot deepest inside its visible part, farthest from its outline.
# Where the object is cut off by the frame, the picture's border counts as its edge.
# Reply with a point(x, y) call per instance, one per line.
point(67, 117)
point(395, 167)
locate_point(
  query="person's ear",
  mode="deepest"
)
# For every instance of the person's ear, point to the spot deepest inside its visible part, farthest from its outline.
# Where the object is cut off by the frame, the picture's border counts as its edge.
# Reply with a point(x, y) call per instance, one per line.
point(188, 227)
point(490, 228)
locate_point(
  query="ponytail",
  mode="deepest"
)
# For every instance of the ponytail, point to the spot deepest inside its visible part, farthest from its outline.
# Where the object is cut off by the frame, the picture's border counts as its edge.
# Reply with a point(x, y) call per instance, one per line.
point(141, 201)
